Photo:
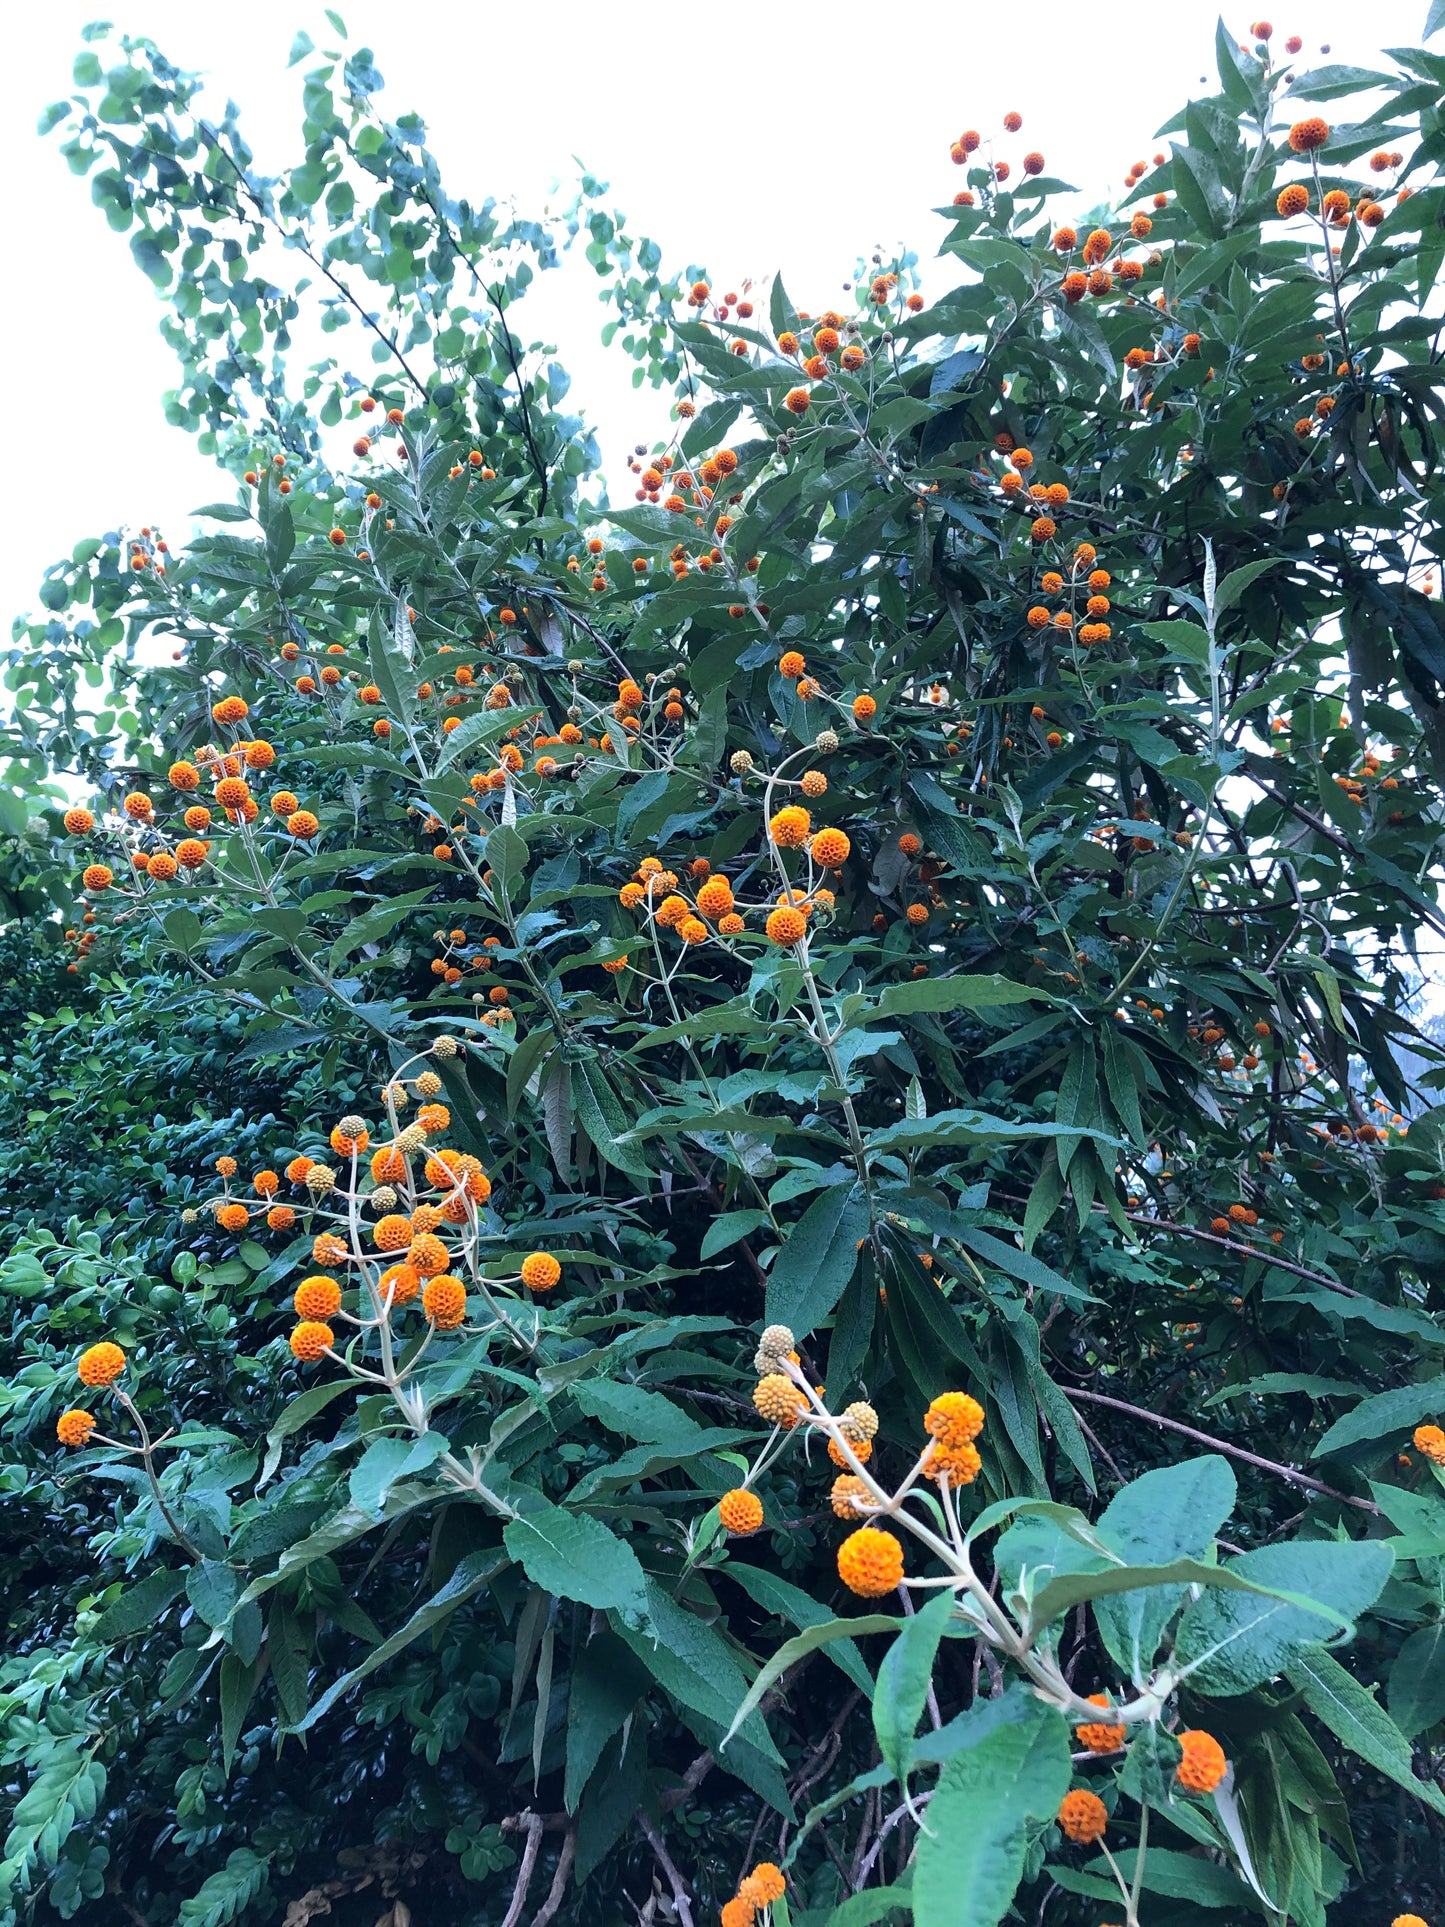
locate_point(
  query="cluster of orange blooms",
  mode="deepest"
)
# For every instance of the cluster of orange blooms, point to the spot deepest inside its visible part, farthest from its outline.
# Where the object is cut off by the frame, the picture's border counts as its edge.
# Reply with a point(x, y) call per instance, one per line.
point(1082, 1815)
point(870, 1560)
point(1307, 137)
point(755, 1895)
point(149, 854)
point(416, 1212)
point(1085, 579)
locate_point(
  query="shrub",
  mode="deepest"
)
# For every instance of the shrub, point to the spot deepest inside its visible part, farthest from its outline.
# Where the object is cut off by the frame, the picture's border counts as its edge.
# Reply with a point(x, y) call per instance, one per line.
point(837, 1033)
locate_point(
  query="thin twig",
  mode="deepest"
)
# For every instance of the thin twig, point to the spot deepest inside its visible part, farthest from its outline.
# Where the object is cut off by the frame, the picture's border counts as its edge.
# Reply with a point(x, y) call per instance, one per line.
point(533, 1824)
point(559, 1879)
point(664, 1860)
point(1218, 1445)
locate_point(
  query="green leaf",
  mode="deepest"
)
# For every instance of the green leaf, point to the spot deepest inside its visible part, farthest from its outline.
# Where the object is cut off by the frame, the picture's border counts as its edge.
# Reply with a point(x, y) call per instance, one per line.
point(139, 1607)
point(474, 1572)
point(607, 1682)
point(950, 993)
point(1232, 1641)
point(1383, 1416)
point(1354, 1716)
point(872, 1905)
point(812, 1269)
point(301, 45)
point(574, 1556)
point(226, 1894)
point(238, 1687)
point(1013, 1770)
point(788, 1601)
point(1417, 1681)
point(376, 1472)
point(298, 1411)
point(1172, 1513)
point(1238, 580)
point(803, 1643)
point(903, 1681)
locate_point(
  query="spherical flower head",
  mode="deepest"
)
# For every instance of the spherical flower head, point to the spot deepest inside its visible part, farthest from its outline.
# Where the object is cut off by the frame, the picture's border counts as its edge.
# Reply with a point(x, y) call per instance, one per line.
point(328, 1249)
point(432, 1120)
point(1075, 286)
point(318, 1297)
point(444, 1300)
point(778, 1400)
point(870, 1562)
point(285, 803)
point(101, 1364)
point(917, 914)
point(859, 1421)
point(427, 1255)
point(959, 1464)
point(786, 925)
point(767, 1882)
point(789, 827)
point(740, 1512)
point(303, 825)
point(831, 849)
point(320, 1178)
point(1033, 162)
point(1098, 1736)
point(540, 1271)
point(849, 1497)
point(797, 401)
point(774, 1347)
point(233, 1217)
point(737, 1912)
point(1306, 136)
point(1043, 528)
point(310, 1339)
point(74, 1427)
point(715, 898)
point(401, 1282)
point(1065, 239)
point(298, 1167)
point(230, 709)
point(79, 822)
point(1083, 1816)
point(1203, 1765)
point(1430, 1440)
point(97, 876)
point(954, 1419)
point(1292, 200)
point(1407, 1920)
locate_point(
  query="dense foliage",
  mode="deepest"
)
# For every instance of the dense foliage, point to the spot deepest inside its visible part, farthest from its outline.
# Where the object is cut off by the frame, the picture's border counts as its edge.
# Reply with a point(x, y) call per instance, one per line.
point(846, 1022)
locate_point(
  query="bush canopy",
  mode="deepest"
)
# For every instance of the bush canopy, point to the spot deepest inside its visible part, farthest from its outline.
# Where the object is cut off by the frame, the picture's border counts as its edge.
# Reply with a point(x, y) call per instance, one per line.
point(726, 1200)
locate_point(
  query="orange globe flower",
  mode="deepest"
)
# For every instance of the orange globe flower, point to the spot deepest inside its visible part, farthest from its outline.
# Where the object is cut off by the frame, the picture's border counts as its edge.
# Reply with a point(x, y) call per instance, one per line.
point(101, 1364)
point(870, 1562)
point(1083, 1816)
point(740, 1511)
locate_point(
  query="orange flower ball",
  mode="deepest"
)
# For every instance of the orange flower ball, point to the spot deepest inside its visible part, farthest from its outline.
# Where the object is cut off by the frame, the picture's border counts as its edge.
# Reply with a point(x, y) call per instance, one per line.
point(101, 1364)
point(740, 1511)
point(870, 1562)
point(540, 1271)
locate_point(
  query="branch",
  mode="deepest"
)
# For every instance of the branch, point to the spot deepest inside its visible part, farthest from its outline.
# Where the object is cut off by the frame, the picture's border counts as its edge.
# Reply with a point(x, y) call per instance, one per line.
point(674, 1879)
point(533, 1823)
point(559, 1879)
point(1218, 1445)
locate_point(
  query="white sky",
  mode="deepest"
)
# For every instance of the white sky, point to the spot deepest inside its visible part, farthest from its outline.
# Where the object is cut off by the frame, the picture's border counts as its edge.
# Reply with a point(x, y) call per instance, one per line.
point(834, 128)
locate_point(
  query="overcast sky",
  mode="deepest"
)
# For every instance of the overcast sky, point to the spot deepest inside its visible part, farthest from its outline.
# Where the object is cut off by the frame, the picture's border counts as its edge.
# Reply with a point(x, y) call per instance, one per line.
point(835, 128)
